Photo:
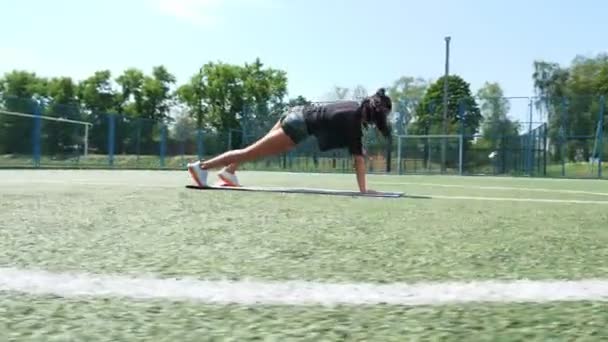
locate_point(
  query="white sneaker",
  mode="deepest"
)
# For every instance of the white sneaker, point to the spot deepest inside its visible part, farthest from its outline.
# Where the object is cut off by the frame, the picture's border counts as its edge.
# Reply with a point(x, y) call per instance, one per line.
point(199, 175)
point(229, 178)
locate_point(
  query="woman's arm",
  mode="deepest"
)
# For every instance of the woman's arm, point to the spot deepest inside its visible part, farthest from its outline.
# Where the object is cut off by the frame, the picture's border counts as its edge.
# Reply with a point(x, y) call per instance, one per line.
point(360, 171)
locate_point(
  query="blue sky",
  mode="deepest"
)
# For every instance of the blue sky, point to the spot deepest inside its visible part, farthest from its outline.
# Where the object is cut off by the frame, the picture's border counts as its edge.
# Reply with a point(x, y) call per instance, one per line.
point(320, 45)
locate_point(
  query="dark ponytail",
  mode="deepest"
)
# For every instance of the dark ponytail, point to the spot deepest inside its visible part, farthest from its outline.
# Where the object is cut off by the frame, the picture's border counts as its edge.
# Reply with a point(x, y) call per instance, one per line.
point(379, 106)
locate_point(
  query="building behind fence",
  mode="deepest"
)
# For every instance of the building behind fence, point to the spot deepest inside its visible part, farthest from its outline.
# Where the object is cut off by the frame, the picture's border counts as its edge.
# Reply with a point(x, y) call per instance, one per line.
point(564, 137)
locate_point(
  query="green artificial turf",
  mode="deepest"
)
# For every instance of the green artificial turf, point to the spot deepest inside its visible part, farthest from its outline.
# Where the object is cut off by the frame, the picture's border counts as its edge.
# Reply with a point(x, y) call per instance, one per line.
point(134, 222)
point(163, 228)
point(32, 318)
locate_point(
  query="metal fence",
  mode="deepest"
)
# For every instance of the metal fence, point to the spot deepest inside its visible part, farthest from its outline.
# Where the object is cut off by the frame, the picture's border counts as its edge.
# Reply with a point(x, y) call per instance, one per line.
point(564, 137)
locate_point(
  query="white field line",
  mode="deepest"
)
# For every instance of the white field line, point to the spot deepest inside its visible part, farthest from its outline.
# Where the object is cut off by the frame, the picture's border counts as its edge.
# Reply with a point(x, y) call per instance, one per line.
point(515, 199)
point(508, 188)
point(84, 182)
point(430, 196)
point(297, 292)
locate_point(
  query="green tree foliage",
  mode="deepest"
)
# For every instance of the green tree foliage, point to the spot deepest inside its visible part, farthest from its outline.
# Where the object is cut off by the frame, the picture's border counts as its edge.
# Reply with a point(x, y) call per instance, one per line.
point(298, 101)
point(499, 134)
point(463, 116)
point(62, 102)
point(406, 93)
point(463, 113)
point(570, 96)
point(494, 109)
point(227, 97)
point(98, 98)
point(20, 89)
point(145, 101)
point(131, 96)
point(190, 96)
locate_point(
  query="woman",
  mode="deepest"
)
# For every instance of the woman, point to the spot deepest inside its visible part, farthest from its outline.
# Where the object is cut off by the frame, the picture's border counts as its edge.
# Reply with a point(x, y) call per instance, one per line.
point(335, 125)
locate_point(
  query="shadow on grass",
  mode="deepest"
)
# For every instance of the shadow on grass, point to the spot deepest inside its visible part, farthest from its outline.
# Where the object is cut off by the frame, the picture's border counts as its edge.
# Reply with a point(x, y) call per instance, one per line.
point(309, 191)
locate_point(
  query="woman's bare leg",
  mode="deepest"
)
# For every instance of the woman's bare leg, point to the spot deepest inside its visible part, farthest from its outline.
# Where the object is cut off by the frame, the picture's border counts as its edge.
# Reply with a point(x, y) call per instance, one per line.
point(275, 142)
point(234, 166)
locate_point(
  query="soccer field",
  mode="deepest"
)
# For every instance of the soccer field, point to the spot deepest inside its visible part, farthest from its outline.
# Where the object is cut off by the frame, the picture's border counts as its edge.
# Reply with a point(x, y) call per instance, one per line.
point(135, 256)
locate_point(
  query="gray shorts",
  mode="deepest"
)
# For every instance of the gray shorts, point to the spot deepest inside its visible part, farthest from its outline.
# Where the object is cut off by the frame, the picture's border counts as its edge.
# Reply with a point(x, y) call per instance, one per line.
point(294, 125)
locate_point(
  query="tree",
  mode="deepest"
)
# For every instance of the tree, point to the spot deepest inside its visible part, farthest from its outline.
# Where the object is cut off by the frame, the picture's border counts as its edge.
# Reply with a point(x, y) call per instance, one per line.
point(97, 93)
point(99, 98)
point(190, 95)
point(21, 92)
point(499, 133)
point(494, 109)
point(228, 97)
point(337, 94)
point(298, 101)
point(359, 93)
point(157, 94)
point(62, 102)
point(131, 96)
point(265, 89)
point(406, 94)
point(570, 96)
point(463, 115)
point(184, 126)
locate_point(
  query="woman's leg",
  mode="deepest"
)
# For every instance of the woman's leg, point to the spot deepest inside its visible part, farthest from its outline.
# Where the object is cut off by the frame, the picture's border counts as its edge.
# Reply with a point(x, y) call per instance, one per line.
point(275, 142)
point(234, 166)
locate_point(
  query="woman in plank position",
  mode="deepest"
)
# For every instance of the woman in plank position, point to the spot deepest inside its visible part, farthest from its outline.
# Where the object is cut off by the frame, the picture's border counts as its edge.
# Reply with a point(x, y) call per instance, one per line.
point(335, 125)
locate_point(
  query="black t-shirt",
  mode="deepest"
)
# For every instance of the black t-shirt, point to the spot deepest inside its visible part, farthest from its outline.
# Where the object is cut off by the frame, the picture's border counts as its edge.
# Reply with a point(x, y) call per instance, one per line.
point(336, 125)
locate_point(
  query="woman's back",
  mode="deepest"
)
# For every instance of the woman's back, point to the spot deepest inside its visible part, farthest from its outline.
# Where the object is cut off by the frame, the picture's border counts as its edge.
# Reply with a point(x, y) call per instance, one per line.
point(335, 125)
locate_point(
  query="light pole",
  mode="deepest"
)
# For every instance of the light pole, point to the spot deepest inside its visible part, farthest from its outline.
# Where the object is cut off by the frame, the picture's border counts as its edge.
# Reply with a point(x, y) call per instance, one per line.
point(445, 103)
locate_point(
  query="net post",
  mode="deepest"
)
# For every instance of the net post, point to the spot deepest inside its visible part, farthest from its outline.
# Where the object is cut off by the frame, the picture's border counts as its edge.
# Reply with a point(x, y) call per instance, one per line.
point(163, 144)
point(36, 134)
point(111, 139)
point(461, 137)
point(199, 144)
point(545, 150)
point(389, 153)
point(399, 167)
point(601, 136)
point(563, 136)
point(86, 140)
point(460, 151)
point(529, 142)
point(138, 140)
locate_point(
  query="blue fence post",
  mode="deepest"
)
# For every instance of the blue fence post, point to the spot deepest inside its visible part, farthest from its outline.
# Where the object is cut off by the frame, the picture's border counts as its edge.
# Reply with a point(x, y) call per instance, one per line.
point(563, 134)
point(163, 144)
point(37, 132)
point(111, 133)
point(529, 143)
point(199, 144)
point(601, 137)
point(461, 109)
point(138, 140)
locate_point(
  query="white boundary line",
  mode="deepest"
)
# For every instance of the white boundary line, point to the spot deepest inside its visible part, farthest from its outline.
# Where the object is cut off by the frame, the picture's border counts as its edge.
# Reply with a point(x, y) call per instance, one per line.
point(508, 188)
point(430, 196)
point(515, 199)
point(297, 292)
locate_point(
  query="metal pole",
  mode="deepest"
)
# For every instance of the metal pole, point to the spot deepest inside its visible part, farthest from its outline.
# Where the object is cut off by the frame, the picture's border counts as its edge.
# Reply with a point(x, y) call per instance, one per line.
point(399, 168)
point(529, 141)
point(601, 137)
point(445, 101)
point(461, 142)
point(86, 140)
point(199, 109)
point(36, 135)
